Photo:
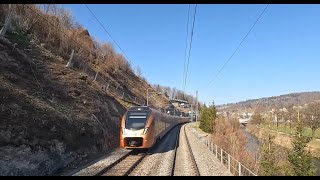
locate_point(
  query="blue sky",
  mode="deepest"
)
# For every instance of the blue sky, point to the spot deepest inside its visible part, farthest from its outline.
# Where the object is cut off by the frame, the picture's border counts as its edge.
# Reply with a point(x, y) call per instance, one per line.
point(281, 55)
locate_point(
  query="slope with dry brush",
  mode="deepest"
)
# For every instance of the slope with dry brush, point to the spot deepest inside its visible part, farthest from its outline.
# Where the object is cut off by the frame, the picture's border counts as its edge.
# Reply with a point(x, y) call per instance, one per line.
point(51, 115)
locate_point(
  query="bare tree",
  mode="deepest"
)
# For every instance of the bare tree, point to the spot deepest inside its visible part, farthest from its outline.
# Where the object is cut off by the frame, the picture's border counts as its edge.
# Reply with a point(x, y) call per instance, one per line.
point(257, 118)
point(312, 116)
point(138, 71)
point(291, 116)
point(278, 117)
point(174, 93)
point(168, 91)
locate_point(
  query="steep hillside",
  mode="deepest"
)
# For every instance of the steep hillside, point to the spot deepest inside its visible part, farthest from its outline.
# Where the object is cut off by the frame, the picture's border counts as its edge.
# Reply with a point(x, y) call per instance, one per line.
point(52, 115)
point(277, 102)
point(49, 114)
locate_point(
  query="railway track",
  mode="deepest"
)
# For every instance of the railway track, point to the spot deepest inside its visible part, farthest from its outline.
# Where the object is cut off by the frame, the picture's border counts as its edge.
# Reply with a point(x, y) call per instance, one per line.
point(184, 162)
point(194, 163)
point(181, 162)
point(124, 166)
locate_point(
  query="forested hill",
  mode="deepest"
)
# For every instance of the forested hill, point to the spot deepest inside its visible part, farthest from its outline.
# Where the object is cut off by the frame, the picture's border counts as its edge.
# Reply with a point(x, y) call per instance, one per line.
point(274, 101)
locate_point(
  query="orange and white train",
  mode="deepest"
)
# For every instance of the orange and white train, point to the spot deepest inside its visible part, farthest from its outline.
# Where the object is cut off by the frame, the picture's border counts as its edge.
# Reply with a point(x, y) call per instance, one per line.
point(142, 126)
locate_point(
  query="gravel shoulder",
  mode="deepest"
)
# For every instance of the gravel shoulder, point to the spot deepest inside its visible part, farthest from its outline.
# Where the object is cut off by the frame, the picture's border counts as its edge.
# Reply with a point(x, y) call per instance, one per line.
point(207, 163)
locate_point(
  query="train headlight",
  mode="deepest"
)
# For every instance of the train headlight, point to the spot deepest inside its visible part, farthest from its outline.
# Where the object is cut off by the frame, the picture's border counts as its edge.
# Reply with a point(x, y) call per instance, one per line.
point(123, 131)
point(145, 130)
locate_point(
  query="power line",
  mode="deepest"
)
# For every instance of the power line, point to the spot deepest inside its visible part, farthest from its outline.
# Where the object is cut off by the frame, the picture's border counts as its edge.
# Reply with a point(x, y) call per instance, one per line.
point(194, 19)
point(108, 34)
point(185, 50)
point(224, 65)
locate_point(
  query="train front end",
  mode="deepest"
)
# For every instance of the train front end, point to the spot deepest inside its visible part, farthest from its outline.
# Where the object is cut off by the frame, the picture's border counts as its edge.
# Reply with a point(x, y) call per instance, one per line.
point(135, 130)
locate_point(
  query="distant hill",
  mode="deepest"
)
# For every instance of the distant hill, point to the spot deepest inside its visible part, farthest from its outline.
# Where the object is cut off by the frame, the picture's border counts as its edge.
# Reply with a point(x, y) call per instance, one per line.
point(272, 102)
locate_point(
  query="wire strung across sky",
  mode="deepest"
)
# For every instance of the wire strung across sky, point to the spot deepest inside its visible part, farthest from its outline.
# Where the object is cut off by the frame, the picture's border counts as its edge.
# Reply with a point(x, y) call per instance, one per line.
point(109, 34)
point(187, 67)
point(185, 50)
point(224, 65)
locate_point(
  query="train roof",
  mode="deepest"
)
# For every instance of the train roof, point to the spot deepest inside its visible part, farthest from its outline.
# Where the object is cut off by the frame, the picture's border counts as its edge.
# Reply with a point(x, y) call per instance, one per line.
point(147, 108)
point(139, 108)
point(142, 108)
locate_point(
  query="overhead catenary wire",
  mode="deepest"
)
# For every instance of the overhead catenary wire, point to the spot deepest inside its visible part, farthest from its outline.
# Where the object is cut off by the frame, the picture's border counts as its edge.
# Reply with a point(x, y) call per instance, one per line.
point(190, 46)
point(224, 65)
point(96, 18)
point(109, 34)
point(185, 50)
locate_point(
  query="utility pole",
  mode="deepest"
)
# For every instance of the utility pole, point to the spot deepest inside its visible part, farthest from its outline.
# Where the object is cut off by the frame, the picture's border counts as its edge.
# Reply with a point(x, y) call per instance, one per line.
point(191, 113)
point(147, 96)
point(268, 114)
point(196, 106)
point(298, 110)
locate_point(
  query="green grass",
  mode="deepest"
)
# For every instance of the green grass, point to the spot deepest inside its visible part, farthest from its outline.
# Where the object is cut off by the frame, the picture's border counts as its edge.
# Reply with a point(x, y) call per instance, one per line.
point(286, 129)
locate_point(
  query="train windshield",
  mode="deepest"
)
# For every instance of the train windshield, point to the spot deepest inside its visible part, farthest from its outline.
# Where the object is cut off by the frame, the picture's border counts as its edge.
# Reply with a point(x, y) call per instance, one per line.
point(136, 120)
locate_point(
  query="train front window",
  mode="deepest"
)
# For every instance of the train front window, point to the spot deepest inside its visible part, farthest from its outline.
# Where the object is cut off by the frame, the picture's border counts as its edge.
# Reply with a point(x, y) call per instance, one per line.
point(136, 120)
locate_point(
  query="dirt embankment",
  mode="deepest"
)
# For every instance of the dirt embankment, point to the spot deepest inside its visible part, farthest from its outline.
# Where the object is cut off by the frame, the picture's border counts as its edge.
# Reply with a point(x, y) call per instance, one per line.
point(50, 115)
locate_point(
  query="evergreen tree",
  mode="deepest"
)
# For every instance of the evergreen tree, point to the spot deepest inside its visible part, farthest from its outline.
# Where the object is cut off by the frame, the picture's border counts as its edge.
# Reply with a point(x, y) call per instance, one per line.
point(207, 117)
point(299, 158)
point(269, 161)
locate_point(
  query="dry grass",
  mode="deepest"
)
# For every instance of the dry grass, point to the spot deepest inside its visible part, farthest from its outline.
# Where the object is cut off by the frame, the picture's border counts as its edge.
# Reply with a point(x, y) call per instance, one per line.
point(228, 135)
